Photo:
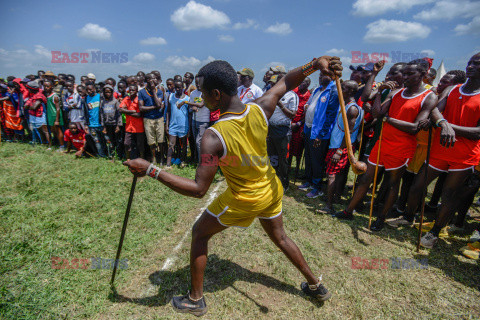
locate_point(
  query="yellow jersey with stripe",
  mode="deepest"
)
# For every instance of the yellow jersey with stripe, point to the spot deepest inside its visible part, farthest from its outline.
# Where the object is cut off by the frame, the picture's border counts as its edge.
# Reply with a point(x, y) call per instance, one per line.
point(253, 186)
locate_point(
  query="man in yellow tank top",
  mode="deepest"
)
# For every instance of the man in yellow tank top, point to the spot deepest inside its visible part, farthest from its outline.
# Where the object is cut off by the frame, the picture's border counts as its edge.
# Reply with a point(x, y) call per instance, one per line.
point(237, 143)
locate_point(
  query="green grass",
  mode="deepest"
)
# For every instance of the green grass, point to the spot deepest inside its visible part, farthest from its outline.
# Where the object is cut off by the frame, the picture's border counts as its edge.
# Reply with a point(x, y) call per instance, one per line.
point(53, 205)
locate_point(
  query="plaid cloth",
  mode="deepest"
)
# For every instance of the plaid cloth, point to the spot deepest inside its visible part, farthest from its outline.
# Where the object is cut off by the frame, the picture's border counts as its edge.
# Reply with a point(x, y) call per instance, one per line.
point(336, 168)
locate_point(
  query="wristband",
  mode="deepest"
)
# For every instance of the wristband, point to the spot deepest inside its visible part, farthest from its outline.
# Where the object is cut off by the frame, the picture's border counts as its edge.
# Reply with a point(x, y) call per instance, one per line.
point(437, 123)
point(308, 69)
point(153, 171)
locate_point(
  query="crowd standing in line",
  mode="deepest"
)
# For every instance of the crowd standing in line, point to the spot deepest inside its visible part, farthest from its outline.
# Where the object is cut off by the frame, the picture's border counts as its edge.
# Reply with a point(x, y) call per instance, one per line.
point(389, 122)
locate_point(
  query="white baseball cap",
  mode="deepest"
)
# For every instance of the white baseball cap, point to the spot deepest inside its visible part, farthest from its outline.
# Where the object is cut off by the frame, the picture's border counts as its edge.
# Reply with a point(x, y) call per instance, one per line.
point(91, 76)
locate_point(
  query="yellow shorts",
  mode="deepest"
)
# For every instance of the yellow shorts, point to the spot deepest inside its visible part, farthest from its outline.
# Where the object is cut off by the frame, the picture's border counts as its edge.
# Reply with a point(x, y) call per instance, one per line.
point(418, 159)
point(231, 212)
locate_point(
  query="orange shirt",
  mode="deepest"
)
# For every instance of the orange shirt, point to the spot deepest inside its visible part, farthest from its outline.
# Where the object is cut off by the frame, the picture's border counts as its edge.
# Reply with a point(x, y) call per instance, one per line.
point(462, 110)
point(397, 142)
point(133, 124)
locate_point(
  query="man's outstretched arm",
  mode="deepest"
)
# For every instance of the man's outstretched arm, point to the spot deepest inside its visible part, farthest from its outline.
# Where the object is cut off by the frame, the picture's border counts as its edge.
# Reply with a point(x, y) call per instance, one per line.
point(211, 150)
point(327, 65)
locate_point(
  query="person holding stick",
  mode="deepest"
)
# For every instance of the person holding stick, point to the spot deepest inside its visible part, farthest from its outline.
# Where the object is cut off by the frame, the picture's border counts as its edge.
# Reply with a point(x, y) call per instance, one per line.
point(408, 110)
point(337, 157)
point(254, 190)
point(455, 149)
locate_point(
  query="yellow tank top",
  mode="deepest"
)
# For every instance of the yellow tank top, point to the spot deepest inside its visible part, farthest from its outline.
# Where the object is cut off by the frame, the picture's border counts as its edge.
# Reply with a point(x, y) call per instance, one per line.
point(245, 162)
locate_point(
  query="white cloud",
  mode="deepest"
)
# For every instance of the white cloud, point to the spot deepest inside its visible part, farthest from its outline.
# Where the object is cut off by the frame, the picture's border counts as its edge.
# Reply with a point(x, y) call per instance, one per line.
point(344, 55)
point(143, 57)
point(428, 52)
point(94, 32)
point(57, 26)
point(473, 27)
point(198, 16)
point(153, 41)
point(395, 31)
point(250, 23)
point(226, 38)
point(183, 62)
point(42, 51)
point(449, 9)
point(280, 28)
point(370, 8)
point(22, 58)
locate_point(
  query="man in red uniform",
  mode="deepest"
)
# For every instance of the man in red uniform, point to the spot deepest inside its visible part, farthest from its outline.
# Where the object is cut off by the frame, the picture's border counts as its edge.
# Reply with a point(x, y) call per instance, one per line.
point(455, 148)
point(408, 110)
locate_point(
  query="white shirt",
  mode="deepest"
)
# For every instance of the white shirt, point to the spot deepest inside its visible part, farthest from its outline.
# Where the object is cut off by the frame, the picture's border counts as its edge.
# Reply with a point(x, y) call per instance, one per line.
point(312, 104)
point(203, 113)
point(249, 94)
point(278, 118)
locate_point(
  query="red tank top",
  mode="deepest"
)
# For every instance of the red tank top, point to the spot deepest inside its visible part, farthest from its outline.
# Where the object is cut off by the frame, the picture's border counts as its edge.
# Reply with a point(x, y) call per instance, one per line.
point(397, 142)
point(462, 110)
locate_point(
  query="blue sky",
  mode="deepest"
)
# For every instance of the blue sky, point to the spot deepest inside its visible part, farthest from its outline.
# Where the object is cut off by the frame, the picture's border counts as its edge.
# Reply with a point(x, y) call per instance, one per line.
point(179, 36)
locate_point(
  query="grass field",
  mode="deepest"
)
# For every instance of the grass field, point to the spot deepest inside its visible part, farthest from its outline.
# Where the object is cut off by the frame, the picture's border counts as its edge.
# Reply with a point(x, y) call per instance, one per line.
point(53, 205)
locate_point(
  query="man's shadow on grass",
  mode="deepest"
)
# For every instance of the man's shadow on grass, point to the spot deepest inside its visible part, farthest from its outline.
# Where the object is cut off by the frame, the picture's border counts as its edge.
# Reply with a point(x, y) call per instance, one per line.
point(219, 275)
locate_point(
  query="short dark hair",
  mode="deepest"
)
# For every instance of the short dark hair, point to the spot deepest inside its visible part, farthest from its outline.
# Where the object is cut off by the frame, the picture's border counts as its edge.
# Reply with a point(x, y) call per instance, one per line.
point(114, 81)
point(400, 64)
point(219, 75)
point(433, 72)
point(459, 76)
point(422, 65)
point(170, 79)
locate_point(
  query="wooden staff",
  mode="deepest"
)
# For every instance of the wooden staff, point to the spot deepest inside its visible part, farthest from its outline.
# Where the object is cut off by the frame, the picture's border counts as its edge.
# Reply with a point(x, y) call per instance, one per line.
point(424, 187)
point(359, 155)
point(358, 167)
point(375, 176)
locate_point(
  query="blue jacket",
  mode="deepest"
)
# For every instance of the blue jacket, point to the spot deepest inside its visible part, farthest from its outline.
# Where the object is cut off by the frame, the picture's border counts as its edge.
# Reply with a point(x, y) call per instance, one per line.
point(325, 112)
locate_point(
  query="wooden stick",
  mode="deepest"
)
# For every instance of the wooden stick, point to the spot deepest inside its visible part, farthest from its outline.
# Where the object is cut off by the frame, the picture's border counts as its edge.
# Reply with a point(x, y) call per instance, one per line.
point(124, 229)
point(359, 155)
point(425, 186)
point(358, 167)
point(375, 177)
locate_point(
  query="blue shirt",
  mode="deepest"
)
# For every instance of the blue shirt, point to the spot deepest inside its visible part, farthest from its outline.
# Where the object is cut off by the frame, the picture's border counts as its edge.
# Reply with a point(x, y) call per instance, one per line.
point(338, 132)
point(93, 107)
point(325, 112)
point(148, 102)
point(178, 125)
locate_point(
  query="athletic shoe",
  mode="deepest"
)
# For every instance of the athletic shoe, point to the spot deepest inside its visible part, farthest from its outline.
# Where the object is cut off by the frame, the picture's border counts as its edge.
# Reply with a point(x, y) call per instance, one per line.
point(184, 304)
point(305, 187)
point(475, 236)
point(314, 193)
point(469, 253)
point(344, 215)
point(400, 221)
point(377, 225)
point(428, 240)
point(320, 293)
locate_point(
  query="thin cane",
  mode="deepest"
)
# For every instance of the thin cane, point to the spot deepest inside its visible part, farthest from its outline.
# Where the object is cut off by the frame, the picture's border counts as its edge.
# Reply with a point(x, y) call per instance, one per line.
point(375, 177)
point(359, 155)
point(424, 187)
point(124, 228)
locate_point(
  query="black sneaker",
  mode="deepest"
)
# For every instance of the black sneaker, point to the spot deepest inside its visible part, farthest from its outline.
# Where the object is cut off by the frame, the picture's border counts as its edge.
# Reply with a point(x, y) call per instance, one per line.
point(321, 293)
point(184, 304)
point(344, 215)
point(377, 225)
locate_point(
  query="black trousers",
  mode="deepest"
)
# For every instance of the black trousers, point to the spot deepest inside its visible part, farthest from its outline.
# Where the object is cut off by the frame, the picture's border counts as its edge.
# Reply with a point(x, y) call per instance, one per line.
point(277, 149)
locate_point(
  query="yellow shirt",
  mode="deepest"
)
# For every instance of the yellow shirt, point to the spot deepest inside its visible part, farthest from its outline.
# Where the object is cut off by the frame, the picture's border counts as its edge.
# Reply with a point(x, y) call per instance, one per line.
point(245, 163)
